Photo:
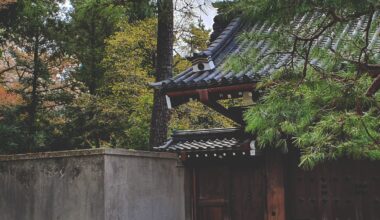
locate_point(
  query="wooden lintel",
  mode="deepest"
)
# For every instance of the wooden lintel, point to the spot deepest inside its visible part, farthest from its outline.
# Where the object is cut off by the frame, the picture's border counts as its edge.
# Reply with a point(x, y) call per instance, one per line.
point(216, 90)
point(211, 94)
point(275, 188)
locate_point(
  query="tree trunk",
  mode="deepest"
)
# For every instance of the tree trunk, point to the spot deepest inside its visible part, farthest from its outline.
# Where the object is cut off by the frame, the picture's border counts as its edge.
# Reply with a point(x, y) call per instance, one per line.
point(160, 114)
point(32, 108)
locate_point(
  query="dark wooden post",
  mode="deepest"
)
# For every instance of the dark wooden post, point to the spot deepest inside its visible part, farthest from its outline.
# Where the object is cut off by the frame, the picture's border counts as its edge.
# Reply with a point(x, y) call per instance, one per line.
point(275, 189)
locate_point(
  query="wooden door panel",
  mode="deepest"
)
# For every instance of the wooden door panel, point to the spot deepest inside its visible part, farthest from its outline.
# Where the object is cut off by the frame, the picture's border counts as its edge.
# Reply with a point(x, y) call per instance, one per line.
point(213, 182)
point(339, 190)
point(213, 192)
point(248, 193)
point(230, 191)
point(211, 213)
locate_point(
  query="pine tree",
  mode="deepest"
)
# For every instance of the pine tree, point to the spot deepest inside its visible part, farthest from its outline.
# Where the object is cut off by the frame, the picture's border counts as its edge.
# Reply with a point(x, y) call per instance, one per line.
point(91, 23)
point(31, 43)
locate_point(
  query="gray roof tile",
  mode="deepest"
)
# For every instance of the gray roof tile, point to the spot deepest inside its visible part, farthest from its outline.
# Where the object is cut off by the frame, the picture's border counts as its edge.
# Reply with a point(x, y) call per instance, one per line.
point(206, 140)
point(227, 45)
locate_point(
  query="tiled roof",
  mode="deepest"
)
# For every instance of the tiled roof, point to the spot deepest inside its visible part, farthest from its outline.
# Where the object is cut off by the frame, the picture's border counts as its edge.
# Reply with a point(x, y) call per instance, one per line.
point(206, 140)
point(227, 44)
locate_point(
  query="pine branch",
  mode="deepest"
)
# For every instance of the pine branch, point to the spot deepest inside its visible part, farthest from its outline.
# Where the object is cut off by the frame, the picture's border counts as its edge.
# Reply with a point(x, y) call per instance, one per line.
point(374, 87)
point(368, 133)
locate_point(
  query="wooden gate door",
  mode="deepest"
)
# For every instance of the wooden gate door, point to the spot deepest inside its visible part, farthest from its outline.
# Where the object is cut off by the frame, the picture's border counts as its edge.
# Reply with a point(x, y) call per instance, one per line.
point(340, 190)
point(229, 191)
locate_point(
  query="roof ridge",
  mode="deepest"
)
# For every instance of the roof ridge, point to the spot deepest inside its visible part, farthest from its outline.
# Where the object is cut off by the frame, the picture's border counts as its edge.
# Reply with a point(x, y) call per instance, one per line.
point(220, 42)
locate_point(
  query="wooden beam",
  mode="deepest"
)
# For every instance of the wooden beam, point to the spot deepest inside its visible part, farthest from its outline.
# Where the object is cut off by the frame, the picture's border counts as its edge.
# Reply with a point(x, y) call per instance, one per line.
point(178, 98)
point(223, 89)
point(238, 118)
point(275, 186)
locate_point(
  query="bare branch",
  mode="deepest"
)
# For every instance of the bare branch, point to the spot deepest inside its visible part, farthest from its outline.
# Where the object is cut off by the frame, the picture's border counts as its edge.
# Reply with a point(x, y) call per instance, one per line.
point(304, 71)
point(364, 49)
point(7, 69)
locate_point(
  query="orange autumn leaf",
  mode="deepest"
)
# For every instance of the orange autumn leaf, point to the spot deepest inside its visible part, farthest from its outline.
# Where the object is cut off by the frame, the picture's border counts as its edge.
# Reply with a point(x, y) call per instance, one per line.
point(9, 99)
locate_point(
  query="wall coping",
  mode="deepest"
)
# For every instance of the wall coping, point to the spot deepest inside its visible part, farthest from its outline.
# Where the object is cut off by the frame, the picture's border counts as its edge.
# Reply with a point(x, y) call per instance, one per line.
point(89, 152)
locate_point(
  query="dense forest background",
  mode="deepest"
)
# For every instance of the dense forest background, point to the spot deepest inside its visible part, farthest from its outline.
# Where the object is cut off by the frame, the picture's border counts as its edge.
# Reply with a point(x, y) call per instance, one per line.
point(79, 78)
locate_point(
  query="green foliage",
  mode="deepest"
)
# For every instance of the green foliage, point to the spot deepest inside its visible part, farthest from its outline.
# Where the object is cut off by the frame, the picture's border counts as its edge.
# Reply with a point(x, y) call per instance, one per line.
point(283, 11)
point(92, 21)
point(318, 116)
point(115, 52)
point(12, 135)
point(320, 109)
point(70, 70)
point(195, 115)
point(139, 9)
point(31, 46)
point(126, 100)
point(197, 38)
point(119, 115)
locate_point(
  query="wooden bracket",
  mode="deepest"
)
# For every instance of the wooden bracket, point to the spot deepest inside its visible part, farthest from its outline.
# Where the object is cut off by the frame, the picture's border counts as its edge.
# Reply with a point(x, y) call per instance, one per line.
point(203, 95)
point(236, 117)
point(209, 98)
